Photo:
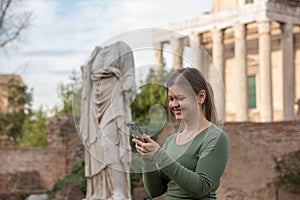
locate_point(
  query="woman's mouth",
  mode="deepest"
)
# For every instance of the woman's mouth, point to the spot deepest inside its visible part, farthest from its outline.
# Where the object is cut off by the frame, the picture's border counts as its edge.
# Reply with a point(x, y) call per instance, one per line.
point(177, 111)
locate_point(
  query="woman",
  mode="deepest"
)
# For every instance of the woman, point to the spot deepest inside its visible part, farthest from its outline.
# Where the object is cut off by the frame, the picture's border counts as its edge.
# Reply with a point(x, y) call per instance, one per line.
point(192, 161)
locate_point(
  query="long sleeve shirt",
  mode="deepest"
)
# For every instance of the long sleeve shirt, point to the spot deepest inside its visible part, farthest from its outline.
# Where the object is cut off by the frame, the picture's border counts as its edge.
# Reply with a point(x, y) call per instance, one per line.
point(189, 171)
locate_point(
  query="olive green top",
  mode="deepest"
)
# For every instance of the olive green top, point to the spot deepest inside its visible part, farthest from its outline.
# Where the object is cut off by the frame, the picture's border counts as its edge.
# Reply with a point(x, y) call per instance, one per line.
point(189, 171)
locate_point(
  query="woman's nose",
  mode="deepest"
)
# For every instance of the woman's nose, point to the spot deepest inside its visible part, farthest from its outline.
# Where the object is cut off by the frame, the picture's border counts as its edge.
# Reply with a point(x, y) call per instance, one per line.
point(175, 103)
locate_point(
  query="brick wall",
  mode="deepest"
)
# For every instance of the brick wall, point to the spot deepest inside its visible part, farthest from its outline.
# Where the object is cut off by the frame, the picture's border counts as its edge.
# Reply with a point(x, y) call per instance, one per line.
point(53, 162)
point(250, 169)
point(62, 133)
point(49, 162)
point(248, 176)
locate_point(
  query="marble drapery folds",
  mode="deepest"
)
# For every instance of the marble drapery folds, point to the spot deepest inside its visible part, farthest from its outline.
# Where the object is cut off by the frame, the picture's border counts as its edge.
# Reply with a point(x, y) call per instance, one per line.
point(108, 88)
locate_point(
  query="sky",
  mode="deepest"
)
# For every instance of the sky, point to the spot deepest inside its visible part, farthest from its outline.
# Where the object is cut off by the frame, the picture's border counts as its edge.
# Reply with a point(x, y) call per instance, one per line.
point(63, 33)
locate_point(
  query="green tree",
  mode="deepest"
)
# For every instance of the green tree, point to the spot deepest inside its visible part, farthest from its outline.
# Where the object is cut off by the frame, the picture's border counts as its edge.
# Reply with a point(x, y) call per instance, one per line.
point(152, 92)
point(19, 103)
point(70, 94)
point(34, 129)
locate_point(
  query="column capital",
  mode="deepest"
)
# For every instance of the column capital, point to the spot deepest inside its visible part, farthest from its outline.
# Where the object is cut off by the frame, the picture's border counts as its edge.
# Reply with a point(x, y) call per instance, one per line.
point(239, 29)
point(177, 51)
point(177, 45)
point(195, 38)
point(286, 27)
point(158, 45)
point(158, 53)
point(217, 31)
point(264, 27)
point(217, 35)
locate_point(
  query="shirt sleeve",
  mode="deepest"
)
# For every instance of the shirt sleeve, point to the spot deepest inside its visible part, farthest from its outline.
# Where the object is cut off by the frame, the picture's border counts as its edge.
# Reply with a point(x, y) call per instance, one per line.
point(211, 164)
point(154, 182)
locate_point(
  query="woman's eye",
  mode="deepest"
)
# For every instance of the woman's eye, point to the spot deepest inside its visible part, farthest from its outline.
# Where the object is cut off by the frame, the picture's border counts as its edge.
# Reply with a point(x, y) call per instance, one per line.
point(171, 99)
point(181, 98)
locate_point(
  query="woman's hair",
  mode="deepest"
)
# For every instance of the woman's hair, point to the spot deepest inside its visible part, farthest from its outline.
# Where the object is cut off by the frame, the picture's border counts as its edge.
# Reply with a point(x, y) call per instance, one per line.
point(194, 81)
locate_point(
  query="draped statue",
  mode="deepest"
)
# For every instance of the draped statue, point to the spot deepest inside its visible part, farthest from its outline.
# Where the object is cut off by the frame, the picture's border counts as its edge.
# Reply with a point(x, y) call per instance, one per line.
point(108, 84)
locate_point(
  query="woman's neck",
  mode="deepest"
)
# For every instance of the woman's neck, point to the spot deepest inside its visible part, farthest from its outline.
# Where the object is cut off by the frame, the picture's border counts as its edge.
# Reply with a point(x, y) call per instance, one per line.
point(196, 125)
point(191, 130)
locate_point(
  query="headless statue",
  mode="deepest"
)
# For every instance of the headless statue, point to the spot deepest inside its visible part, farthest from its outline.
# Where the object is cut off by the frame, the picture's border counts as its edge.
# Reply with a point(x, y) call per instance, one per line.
point(108, 84)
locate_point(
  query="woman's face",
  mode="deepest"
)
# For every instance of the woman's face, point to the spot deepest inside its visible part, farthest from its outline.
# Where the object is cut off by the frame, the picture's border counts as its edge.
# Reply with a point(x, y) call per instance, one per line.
point(182, 103)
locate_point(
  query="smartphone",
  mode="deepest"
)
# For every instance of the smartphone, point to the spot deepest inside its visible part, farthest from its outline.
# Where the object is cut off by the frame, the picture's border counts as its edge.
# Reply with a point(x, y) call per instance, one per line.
point(135, 130)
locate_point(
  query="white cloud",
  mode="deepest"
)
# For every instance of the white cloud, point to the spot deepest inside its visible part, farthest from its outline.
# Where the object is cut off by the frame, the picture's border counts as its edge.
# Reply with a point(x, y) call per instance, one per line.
point(63, 33)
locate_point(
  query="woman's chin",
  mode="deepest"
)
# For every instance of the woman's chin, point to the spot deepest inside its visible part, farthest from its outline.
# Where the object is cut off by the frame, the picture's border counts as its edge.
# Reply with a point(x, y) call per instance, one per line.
point(178, 117)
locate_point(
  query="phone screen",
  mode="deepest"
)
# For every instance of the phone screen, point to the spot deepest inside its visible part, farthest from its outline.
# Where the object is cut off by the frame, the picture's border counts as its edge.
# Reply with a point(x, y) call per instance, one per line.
point(135, 130)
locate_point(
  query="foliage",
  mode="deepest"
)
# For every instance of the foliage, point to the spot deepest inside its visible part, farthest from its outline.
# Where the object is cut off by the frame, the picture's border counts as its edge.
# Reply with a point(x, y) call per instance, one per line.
point(34, 129)
point(13, 21)
point(288, 171)
point(153, 92)
point(146, 109)
point(11, 121)
point(70, 93)
point(75, 177)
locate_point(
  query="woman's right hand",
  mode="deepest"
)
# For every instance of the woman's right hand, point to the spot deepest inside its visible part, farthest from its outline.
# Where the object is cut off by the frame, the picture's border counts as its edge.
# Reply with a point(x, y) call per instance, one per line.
point(146, 149)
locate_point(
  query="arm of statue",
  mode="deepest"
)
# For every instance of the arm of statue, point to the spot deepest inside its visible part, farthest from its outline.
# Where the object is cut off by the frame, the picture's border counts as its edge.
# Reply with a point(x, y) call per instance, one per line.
point(127, 70)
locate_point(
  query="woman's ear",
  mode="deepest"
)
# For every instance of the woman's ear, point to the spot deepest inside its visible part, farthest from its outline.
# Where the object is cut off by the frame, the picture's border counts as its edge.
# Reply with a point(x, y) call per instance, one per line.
point(201, 97)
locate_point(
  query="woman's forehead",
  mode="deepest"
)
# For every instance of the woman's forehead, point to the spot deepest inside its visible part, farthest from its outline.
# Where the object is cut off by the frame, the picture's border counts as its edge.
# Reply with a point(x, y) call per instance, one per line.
point(178, 90)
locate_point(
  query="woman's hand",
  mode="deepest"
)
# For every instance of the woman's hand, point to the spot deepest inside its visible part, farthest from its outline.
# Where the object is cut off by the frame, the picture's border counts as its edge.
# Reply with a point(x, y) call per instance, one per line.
point(148, 148)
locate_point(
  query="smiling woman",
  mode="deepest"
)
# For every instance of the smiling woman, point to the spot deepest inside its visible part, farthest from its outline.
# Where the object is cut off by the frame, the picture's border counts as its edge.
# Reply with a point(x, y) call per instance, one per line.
point(192, 161)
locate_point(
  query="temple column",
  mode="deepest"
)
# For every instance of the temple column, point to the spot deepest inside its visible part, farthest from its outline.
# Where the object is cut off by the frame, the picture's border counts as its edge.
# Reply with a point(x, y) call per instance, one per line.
point(198, 53)
point(241, 73)
point(177, 51)
point(158, 53)
point(217, 74)
point(265, 71)
point(288, 71)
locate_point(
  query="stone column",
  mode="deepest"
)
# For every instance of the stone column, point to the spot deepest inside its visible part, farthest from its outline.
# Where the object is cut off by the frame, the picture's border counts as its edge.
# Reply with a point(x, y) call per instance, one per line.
point(241, 72)
point(158, 53)
point(198, 53)
point(265, 71)
point(288, 71)
point(177, 51)
point(216, 72)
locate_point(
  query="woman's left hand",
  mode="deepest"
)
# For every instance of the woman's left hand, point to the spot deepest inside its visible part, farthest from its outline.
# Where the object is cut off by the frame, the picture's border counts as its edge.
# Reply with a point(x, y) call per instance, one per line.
point(148, 148)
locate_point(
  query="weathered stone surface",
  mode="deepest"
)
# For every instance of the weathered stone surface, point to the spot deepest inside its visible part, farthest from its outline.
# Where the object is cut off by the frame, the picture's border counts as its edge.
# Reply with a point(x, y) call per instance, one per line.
point(37, 197)
point(71, 192)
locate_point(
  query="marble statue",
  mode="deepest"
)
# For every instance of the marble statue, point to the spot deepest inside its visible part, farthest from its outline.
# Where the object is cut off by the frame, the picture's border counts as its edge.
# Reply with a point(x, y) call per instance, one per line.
point(108, 85)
